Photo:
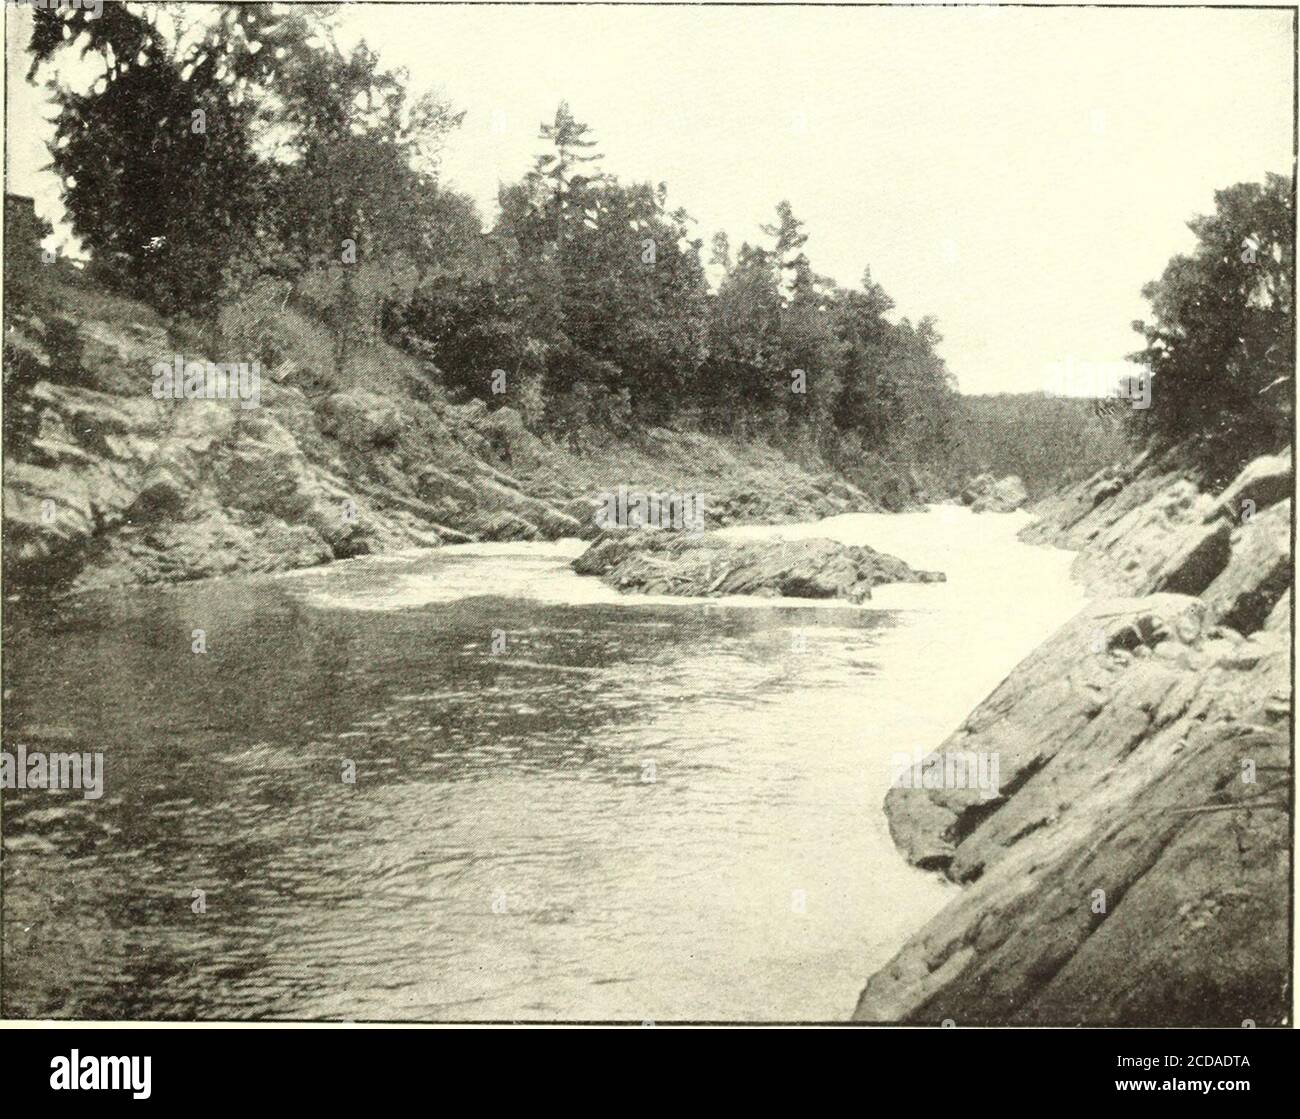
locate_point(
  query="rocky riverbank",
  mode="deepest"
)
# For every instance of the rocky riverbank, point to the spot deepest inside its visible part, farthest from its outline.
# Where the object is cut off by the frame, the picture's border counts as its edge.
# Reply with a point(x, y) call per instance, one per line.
point(106, 485)
point(1134, 868)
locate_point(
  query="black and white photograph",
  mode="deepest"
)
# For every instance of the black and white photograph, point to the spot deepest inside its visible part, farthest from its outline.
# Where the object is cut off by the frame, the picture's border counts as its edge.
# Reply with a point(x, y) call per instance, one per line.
point(648, 514)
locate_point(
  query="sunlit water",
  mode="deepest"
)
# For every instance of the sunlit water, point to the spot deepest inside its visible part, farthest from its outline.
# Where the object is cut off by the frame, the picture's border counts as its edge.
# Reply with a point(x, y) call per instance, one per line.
point(637, 809)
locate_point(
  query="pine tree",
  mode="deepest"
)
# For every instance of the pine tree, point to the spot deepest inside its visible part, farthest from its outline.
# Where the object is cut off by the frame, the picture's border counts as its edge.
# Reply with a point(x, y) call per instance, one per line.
point(572, 150)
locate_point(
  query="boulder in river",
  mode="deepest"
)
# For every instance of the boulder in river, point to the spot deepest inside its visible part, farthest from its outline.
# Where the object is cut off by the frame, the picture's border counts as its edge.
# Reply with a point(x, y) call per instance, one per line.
point(1005, 496)
point(977, 486)
point(679, 563)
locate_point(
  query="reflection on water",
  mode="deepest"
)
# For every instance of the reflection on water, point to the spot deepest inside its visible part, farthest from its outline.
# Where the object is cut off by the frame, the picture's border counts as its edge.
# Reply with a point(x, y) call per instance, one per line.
point(632, 810)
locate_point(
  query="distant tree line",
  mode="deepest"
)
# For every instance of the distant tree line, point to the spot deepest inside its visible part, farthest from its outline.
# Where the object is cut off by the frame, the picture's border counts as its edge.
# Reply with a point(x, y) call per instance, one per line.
point(1047, 441)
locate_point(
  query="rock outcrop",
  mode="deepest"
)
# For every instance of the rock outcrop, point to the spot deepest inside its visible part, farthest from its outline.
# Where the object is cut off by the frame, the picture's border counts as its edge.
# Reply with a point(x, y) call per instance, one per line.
point(683, 563)
point(1201, 553)
point(105, 485)
point(1133, 866)
point(1152, 525)
point(1264, 482)
point(985, 494)
point(1257, 573)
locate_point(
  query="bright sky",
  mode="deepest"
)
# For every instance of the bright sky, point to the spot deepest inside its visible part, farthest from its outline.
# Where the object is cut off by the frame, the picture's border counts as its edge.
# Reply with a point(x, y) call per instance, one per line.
point(1018, 173)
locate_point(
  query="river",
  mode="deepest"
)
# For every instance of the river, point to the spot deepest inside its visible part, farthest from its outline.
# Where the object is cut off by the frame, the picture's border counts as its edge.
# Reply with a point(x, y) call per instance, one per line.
point(566, 803)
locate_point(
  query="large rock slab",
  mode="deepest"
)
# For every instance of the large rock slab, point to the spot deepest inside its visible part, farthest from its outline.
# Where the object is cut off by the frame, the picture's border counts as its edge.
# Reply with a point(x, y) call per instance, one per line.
point(683, 563)
point(1258, 572)
point(1133, 870)
point(1153, 524)
point(1053, 694)
point(1197, 561)
point(1263, 482)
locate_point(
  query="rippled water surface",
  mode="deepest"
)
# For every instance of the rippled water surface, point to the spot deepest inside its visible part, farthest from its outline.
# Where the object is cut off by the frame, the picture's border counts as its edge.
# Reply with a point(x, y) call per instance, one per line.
point(637, 809)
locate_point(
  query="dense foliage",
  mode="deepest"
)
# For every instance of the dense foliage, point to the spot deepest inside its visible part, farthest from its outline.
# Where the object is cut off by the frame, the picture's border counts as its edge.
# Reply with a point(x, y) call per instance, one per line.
point(1048, 441)
point(310, 169)
point(248, 157)
point(1221, 345)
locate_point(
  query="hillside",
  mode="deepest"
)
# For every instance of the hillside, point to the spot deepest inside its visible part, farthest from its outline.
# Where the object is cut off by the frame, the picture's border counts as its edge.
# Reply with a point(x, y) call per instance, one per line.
point(104, 485)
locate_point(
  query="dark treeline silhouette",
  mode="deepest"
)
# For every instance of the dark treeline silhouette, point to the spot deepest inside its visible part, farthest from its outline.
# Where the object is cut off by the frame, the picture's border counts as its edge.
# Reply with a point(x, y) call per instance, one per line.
point(250, 162)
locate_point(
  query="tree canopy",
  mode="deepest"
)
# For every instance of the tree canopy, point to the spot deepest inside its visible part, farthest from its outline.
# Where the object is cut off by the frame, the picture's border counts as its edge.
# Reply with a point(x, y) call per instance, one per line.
point(1221, 342)
point(250, 149)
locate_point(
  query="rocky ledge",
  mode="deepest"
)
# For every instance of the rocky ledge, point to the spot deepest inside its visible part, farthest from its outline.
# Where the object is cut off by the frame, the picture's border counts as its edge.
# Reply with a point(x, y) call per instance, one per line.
point(691, 564)
point(1132, 867)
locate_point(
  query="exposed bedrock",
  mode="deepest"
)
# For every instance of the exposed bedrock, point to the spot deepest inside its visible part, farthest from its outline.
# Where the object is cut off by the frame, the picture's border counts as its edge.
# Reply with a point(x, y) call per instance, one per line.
point(693, 564)
point(106, 485)
point(1133, 867)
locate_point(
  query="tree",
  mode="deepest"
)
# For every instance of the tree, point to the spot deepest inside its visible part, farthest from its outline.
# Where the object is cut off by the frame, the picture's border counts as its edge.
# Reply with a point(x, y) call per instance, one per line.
point(720, 252)
point(613, 283)
point(860, 323)
point(1221, 346)
point(357, 182)
point(788, 253)
point(557, 168)
point(746, 372)
point(156, 158)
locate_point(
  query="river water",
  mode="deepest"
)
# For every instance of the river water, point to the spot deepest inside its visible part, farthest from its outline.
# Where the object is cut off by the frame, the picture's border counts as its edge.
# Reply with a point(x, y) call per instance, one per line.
point(566, 803)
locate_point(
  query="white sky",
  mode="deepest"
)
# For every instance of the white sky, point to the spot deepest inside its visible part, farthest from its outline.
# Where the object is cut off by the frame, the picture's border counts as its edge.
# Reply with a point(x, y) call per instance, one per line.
point(1018, 173)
